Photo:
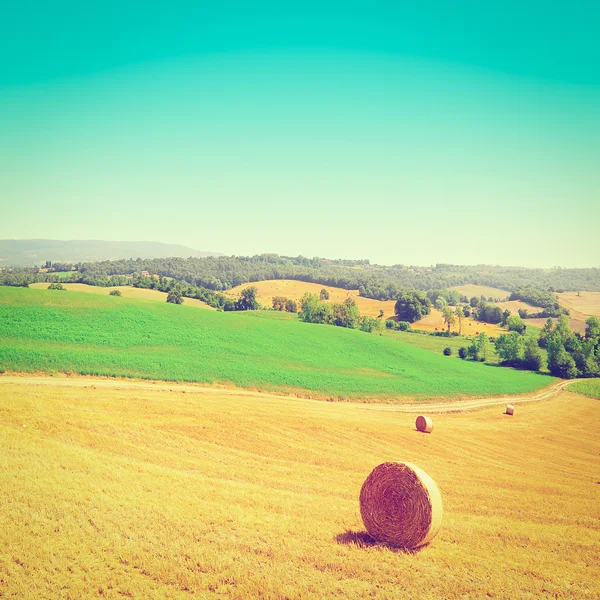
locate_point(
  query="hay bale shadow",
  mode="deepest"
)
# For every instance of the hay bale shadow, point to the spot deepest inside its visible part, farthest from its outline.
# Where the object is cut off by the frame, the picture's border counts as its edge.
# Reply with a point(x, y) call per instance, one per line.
point(361, 539)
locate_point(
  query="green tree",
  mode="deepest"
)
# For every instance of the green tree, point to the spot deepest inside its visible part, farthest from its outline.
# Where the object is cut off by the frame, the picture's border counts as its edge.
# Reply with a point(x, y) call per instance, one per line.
point(315, 311)
point(474, 302)
point(459, 317)
point(478, 348)
point(547, 329)
point(447, 351)
point(462, 352)
point(412, 305)
point(563, 328)
point(510, 348)
point(560, 362)
point(346, 315)
point(175, 297)
point(592, 329)
point(448, 317)
point(247, 299)
point(115, 293)
point(505, 316)
point(532, 356)
point(279, 302)
point(369, 324)
point(515, 323)
point(291, 306)
point(324, 294)
point(441, 303)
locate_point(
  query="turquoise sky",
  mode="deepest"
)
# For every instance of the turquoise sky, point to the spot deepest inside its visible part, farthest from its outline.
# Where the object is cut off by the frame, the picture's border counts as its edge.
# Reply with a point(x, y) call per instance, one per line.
point(464, 132)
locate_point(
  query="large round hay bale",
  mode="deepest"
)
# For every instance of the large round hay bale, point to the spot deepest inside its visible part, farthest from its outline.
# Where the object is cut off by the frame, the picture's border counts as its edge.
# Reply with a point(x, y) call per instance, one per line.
point(510, 409)
point(401, 505)
point(424, 424)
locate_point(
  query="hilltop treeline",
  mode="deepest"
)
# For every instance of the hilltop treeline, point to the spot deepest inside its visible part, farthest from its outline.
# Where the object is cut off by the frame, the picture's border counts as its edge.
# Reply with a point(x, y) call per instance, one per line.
point(373, 281)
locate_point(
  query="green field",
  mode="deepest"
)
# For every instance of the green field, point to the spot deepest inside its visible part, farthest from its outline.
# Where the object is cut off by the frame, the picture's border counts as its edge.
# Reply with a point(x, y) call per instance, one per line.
point(589, 387)
point(49, 331)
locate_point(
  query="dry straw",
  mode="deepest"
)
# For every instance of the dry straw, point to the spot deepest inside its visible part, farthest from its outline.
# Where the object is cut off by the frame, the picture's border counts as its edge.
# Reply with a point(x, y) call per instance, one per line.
point(401, 505)
point(510, 409)
point(424, 424)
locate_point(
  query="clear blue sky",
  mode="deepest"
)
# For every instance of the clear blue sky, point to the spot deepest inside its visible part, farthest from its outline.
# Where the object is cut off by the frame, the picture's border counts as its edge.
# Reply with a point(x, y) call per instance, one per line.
point(462, 132)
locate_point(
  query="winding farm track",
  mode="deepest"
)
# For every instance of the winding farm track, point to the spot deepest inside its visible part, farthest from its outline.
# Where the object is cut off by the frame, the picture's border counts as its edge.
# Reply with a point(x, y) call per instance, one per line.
point(437, 407)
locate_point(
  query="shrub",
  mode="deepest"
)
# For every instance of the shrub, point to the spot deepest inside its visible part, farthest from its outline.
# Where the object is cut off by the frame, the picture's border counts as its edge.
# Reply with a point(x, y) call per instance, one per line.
point(175, 297)
point(57, 286)
point(515, 323)
point(115, 293)
point(403, 326)
point(462, 352)
point(389, 324)
point(447, 351)
point(291, 306)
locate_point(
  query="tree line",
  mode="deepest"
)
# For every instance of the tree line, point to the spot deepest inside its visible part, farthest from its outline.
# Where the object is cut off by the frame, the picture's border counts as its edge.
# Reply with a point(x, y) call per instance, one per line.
point(373, 281)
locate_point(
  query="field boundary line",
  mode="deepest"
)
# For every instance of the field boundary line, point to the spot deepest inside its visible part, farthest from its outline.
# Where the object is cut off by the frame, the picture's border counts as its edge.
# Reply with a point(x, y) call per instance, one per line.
point(162, 386)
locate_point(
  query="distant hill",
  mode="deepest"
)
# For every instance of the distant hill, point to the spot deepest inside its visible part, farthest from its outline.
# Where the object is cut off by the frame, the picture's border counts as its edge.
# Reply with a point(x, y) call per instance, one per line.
point(27, 253)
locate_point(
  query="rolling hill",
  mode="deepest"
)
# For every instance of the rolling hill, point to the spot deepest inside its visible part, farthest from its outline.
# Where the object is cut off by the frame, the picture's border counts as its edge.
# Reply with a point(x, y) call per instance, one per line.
point(95, 334)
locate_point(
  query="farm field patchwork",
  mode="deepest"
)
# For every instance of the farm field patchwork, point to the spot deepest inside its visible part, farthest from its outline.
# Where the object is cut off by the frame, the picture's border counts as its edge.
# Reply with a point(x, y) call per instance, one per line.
point(367, 306)
point(163, 495)
point(95, 334)
point(434, 321)
point(296, 289)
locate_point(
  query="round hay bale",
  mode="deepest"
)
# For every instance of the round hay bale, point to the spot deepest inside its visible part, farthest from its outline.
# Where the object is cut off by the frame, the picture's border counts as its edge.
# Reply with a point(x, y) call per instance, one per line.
point(510, 409)
point(401, 505)
point(424, 424)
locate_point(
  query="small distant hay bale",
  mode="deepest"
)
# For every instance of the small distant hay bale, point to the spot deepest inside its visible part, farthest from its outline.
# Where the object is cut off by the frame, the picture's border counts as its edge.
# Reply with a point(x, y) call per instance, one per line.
point(510, 409)
point(401, 505)
point(424, 424)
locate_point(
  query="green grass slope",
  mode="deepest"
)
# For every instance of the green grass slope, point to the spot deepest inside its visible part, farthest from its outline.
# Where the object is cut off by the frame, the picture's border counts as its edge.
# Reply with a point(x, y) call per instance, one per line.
point(588, 387)
point(45, 330)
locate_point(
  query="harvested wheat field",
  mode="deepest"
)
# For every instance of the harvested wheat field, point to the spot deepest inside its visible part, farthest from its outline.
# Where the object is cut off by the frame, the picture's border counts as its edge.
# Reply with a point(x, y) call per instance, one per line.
point(434, 321)
point(515, 305)
point(585, 304)
point(296, 289)
point(143, 494)
point(127, 291)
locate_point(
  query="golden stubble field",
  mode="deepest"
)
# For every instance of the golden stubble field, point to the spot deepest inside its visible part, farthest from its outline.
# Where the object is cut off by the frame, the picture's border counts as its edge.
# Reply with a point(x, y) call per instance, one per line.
point(367, 306)
point(434, 321)
point(127, 291)
point(109, 493)
point(296, 289)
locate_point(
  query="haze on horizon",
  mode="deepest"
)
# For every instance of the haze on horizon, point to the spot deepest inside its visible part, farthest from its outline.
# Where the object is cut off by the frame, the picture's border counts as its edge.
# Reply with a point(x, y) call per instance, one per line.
point(460, 133)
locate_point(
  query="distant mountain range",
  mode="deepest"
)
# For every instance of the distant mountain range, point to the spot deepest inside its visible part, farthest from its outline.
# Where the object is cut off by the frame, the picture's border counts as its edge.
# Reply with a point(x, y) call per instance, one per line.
point(28, 253)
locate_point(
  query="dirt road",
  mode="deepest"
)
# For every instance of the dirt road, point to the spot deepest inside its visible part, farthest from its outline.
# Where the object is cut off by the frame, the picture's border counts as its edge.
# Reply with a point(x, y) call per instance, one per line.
point(430, 407)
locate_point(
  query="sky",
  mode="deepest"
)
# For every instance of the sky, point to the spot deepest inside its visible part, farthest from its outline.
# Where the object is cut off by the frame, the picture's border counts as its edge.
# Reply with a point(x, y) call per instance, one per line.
point(444, 132)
